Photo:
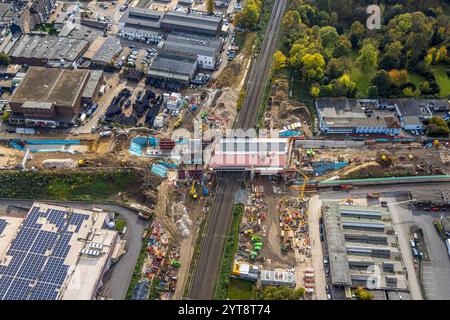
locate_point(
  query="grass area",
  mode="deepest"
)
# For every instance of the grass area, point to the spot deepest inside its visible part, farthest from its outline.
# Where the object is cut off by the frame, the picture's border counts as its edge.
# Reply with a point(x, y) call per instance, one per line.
point(361, 77)
point(48, 27)
point(231, 245)
point(137, 271)
point(263, 22)
point(240, 290)
point(301, 94)
point(415, 78)
point(87, 185)
point(120, 224)
point(442, 79)
point(265, 100)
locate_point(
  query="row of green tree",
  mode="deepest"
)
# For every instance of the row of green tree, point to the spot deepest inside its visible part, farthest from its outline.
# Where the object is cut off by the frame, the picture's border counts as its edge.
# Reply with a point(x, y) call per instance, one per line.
point(323, 40)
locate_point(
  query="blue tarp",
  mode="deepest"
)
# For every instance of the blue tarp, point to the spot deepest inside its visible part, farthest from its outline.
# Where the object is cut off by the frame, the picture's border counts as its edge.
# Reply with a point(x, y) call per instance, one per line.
point(159, 169)
point(290, 133)
point(15, 145)
point(321, 168)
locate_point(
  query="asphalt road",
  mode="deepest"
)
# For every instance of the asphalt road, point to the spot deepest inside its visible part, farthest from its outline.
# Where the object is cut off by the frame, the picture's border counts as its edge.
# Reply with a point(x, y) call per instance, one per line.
point(209, 261)
point(116, 283)
point(436, 272)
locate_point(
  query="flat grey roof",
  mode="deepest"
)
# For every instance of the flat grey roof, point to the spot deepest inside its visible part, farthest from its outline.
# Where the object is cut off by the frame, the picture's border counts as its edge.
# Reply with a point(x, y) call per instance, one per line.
point(110, 48)
point(339, 108)
point(60, 86)
point(172, 65)
point(48, 47)
point(363, 225)
point(410, 107)
point(194, 22)
point(141, 17)
point(205, 46)
point(92, 83)
point(337, 250)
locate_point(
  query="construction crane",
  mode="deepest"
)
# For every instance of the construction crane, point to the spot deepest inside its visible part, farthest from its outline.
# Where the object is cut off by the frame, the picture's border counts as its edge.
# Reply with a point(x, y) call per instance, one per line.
point(301, 194)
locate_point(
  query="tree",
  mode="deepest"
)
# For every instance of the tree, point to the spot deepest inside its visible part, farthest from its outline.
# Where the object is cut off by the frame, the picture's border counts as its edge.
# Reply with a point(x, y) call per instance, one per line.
point(363, 294)
point(279, 293)
point(398, 77)
point(343, 47)
point(438, 127)
point(248, 17)
point(279, 60)
point(329, 36)
point(4, 59)
point(382, 81)
point(356, 33)
point(372, 92)
point(368, 56)
point(210, 7)
point(314, 91)
point(313, 66)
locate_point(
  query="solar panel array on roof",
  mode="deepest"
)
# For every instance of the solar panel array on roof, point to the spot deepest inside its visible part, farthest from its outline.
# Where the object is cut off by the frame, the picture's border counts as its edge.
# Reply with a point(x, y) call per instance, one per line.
point(36, 269)
point(3, 225)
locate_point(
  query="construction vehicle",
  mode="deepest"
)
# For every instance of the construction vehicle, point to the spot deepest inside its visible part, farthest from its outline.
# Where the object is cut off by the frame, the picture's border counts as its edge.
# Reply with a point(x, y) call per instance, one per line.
point(83, 163)
point(205, 190)
point(193, 190)
point(301, 195)
point(178, 122)
point(310, 153)
point(436, 143)
point(374, 195)
point(348, 201)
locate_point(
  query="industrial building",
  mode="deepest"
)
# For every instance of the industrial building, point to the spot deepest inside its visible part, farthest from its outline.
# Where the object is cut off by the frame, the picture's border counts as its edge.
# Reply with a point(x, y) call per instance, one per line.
point(40, 10)
point(362, 248)
point(138, 23)
point(347, 116)
point(411, 114)
point(48, 97)
point(43, 50)
point(191, 23)
point(169, 67)
point(55, 253)
point(102, 51)
point(205, 49)
point(91, 90)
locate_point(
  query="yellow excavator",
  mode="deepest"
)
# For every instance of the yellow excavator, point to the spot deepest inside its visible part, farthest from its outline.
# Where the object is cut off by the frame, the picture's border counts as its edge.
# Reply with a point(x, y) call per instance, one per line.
point(193, 190)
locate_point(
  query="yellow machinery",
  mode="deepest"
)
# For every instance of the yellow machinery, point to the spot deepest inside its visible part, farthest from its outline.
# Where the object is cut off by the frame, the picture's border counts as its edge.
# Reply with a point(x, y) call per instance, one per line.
point(301, 194)
point(193, 190)
point(178, 122)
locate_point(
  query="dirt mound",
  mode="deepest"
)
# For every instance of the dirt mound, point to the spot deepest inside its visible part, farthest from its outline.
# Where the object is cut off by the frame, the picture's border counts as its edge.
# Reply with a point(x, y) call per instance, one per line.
point(229, 75)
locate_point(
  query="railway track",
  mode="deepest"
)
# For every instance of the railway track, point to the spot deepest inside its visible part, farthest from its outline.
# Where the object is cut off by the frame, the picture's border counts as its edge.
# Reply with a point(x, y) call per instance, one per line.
point(213, 242)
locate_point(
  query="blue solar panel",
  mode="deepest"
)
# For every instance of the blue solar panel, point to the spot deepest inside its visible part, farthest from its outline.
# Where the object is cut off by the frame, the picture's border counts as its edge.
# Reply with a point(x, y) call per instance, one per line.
point(44, 291)
point(31, 266)
point(24, 239)
point(55, 271)
point(3, 225)
point(15, 263)
point(5, 282)
point(46, 240)
point(18, 290)
point(62, 247)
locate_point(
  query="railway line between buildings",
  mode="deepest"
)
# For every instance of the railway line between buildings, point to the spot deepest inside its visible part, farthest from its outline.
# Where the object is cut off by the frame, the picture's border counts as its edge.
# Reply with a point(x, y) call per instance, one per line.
point(212, 245)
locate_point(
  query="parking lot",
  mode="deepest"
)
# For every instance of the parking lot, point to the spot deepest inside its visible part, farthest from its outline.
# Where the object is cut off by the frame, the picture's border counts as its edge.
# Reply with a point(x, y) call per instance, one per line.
point(436, 271)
